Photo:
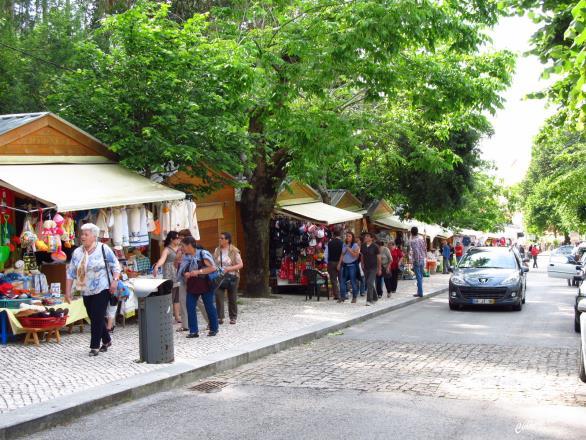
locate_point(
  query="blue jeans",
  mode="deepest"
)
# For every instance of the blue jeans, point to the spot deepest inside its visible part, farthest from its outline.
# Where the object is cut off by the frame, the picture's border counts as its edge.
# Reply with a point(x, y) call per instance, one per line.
point(348, 273)
point(208, 302)
point(418, 268)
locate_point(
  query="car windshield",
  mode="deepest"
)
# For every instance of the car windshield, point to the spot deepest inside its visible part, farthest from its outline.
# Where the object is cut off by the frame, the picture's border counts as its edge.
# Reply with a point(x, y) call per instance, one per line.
point(488, 259)
point(563, 250)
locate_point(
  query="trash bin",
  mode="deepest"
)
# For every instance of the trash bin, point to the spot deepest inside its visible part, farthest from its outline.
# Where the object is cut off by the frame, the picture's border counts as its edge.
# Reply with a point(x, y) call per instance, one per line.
point(155, 320)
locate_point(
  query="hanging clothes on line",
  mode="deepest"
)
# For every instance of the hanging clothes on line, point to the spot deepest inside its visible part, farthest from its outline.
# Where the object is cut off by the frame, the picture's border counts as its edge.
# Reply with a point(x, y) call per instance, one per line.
point(192, 219)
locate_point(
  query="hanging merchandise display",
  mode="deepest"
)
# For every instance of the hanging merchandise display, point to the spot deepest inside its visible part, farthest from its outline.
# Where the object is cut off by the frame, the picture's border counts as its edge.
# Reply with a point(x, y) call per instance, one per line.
point(4, 241)
point(295, 246)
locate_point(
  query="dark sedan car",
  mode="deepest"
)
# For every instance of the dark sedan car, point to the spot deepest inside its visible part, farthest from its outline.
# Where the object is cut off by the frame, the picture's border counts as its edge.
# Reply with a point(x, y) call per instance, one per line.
point(489, 276)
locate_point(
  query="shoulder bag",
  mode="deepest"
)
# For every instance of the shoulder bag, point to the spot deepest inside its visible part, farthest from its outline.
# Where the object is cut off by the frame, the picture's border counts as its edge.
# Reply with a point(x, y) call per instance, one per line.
point(113, 298)
point(228, 280)
point(200, 284)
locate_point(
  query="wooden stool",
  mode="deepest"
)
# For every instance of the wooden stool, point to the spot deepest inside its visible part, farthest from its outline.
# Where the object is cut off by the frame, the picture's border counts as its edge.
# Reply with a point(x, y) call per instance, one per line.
point(79, 323)
point(32, 336)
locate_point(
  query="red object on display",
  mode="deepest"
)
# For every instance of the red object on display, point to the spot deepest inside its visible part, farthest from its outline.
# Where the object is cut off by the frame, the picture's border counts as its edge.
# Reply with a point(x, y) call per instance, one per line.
point(7, 197)
point(291, 274)
point(29, 322)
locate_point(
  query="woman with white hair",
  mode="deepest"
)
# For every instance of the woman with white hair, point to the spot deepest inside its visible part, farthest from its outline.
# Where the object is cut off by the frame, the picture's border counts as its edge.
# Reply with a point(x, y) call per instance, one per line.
point(95, 280)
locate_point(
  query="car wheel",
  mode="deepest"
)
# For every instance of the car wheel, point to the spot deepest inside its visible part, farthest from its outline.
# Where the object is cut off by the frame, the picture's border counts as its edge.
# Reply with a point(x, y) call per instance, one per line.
point(518, 307)
point(576, 322)
point(582, 372)
point(454, 306)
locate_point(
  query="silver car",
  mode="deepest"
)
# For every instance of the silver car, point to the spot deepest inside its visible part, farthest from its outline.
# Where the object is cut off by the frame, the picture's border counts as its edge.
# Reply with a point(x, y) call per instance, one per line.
point(582, 360)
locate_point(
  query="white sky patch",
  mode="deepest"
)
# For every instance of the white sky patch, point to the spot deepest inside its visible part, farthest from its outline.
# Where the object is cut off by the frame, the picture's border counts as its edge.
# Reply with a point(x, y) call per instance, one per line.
point(519, 121)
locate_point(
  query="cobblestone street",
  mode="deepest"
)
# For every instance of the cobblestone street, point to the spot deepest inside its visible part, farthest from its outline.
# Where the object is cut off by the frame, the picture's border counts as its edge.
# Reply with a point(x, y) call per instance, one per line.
point(38, 374)
point(481, 372)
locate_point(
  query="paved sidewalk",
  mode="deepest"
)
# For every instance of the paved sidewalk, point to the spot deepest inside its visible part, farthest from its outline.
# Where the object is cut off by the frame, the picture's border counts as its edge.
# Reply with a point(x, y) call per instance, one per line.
point(33, 375)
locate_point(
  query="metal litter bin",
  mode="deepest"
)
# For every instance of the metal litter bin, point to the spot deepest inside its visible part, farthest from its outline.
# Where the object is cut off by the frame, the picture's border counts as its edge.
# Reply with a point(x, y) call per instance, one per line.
point(155, 320)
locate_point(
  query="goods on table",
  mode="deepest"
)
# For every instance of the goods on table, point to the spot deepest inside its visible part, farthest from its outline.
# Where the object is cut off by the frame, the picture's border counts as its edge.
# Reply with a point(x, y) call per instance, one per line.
point(48, 317)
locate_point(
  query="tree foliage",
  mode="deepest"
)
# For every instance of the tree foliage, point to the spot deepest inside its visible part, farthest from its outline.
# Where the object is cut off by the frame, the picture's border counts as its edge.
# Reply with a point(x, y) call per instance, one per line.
point(164, 96)
point(552, 192)
point(554, 195)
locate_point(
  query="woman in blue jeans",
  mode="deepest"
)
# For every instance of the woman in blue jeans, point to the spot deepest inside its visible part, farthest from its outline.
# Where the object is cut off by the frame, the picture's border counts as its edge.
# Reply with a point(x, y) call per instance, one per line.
point(347, 267)
point(197, 263)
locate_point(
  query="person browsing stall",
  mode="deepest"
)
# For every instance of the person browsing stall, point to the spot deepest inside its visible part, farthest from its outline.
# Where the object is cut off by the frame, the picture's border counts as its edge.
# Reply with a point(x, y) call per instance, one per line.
point(167, 262)
point(195, 265)
point(96, 271)
point(227, 256)
point(347, 266)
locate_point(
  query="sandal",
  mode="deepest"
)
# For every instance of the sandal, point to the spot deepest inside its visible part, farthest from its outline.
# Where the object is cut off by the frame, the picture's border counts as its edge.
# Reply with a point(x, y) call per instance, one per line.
point(232, 321)
point(181, 329)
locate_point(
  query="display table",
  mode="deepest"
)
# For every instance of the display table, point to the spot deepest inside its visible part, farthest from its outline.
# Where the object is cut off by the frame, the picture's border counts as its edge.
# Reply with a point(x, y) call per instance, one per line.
point(7, 316)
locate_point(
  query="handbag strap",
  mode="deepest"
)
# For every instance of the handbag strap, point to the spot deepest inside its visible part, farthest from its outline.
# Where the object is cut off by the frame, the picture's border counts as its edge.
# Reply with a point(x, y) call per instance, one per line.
point(107, 266)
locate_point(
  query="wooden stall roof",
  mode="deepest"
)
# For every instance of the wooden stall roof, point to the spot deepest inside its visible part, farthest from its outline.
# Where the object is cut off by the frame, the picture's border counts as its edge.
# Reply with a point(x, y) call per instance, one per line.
point(297, 193)
point(342, 198)
point(378, 209)
point(47, 138)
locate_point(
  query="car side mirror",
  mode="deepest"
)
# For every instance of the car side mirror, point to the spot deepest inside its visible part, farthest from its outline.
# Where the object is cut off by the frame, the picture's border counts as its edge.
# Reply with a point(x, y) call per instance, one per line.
point(525, 269)
point(582, 306)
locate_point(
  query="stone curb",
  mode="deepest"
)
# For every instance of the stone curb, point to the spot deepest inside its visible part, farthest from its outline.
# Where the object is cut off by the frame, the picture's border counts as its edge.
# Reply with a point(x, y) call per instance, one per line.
point(34, 418)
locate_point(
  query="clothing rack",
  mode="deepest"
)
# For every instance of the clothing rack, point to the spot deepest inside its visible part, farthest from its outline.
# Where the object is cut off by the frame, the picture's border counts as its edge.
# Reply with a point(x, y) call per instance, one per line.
point(24, 211)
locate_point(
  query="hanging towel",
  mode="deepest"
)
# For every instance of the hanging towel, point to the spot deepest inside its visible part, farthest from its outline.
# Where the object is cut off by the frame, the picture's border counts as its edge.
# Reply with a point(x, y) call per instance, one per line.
point(102, 223)
point(125, 233)
point(134, 225)
point(117, 228)
point(143, 234)
point(192, 219)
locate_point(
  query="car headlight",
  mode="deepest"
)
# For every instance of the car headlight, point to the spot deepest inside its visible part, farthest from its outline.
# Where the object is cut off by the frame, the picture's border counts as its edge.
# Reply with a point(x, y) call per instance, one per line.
point(511, 280)
point(458, 279)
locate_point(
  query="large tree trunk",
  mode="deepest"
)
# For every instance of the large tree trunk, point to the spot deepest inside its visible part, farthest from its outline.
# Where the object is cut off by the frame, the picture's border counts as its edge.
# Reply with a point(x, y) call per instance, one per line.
point(257, 204)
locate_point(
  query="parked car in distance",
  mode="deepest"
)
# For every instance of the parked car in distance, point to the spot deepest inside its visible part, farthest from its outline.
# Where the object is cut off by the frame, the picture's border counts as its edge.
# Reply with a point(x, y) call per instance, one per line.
point(582, 351)
point(489, 276)
point(579, 297)
point(565, 267)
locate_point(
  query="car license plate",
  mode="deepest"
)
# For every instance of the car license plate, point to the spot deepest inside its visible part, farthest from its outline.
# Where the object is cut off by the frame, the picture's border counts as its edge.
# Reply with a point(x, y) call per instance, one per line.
point(482, 301)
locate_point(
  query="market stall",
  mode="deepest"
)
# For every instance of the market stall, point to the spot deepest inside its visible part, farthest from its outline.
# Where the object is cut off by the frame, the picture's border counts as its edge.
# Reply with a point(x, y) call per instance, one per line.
point(55, 177)
point(300, 229)
point(383, 222)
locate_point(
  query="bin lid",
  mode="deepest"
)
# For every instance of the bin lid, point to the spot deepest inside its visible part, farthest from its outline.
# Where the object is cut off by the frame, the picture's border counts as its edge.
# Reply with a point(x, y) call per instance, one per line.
point(144, 287)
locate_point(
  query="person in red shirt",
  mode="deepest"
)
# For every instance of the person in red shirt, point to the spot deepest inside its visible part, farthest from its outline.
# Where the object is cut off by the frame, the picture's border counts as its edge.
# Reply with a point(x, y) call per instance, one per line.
point(534, 254)
point(397, 255)
point(459, 250)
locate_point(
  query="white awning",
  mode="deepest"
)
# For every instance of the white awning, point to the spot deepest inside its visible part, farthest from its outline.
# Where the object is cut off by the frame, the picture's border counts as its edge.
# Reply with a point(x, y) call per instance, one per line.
point(75, 187)
point(321, 213)
point(391, 221)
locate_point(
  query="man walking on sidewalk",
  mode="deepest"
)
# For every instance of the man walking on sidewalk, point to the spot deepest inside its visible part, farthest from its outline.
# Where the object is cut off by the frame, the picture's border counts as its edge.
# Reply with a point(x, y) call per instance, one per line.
point(446, 252)
point(332, 256)
point(418, 252)
point(534, 254)
point(372, 267)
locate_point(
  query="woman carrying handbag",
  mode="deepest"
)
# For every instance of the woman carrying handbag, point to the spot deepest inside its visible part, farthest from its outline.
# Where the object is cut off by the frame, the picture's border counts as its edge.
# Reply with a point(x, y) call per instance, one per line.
point(196, 267)
point(227, 257)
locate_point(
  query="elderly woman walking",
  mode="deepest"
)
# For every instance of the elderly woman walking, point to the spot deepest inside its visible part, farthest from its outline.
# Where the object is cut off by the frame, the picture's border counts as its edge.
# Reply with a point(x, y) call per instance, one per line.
point(96, 271)
point(195, 265)
point(228, 257)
